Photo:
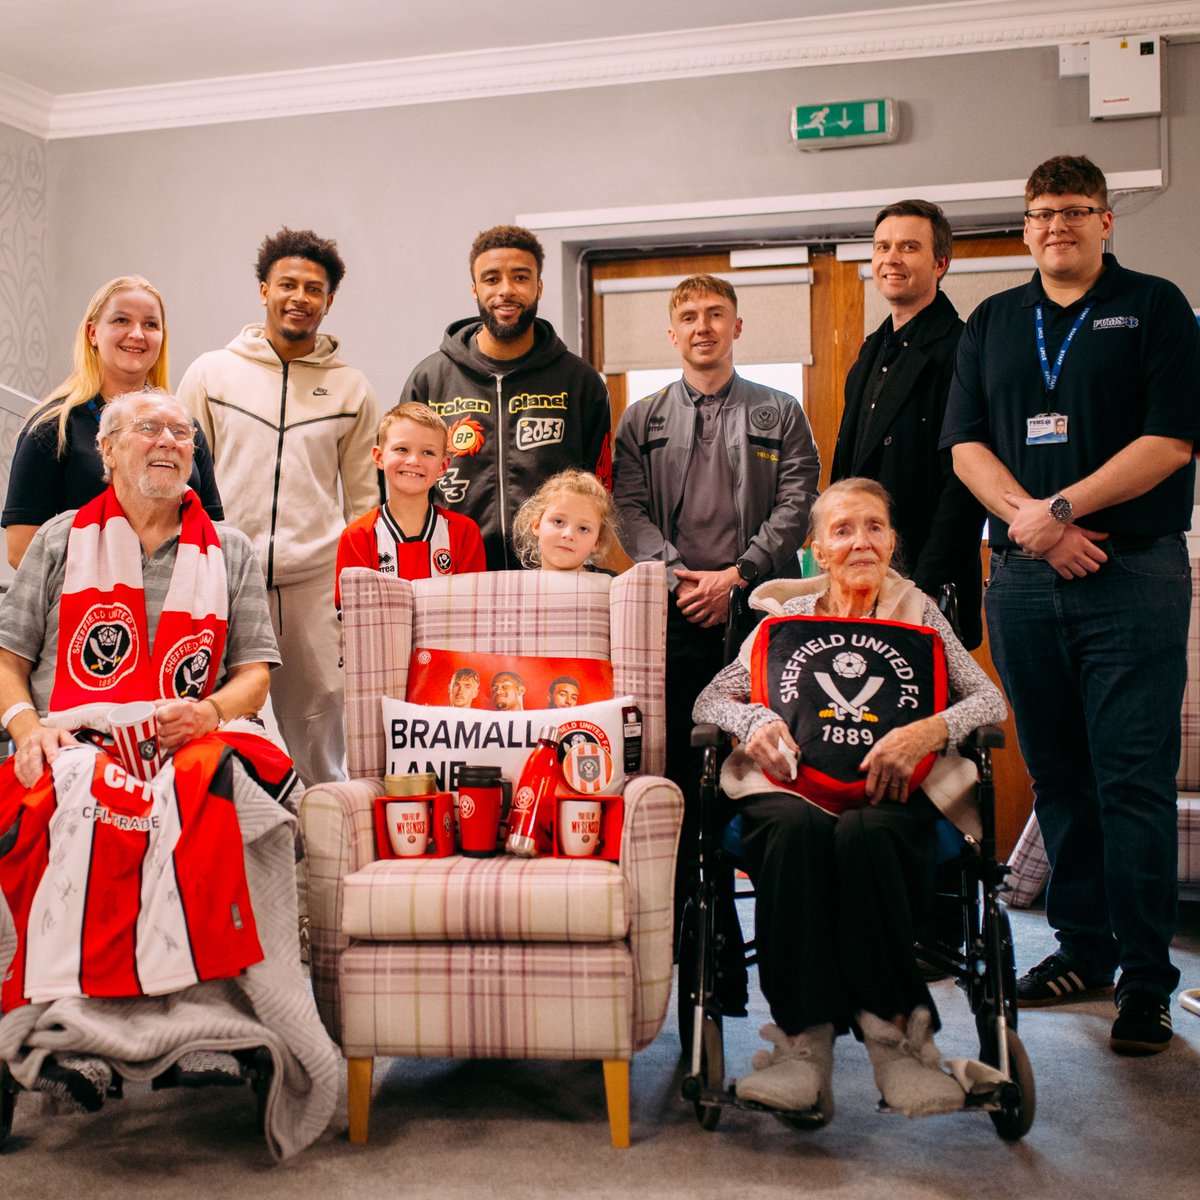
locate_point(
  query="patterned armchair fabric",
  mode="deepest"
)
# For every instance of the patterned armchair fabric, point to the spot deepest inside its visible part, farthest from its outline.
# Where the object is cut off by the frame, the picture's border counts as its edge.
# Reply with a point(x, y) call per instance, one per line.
point(495, 958)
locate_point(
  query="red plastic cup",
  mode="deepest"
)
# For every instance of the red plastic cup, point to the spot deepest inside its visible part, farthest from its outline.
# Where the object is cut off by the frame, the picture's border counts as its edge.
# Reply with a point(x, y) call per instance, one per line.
point(480, 803)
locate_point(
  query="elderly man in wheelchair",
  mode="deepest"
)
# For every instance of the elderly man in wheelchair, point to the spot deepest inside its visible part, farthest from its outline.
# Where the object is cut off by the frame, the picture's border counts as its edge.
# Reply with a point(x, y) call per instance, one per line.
point(839, 716)
point(145, 927)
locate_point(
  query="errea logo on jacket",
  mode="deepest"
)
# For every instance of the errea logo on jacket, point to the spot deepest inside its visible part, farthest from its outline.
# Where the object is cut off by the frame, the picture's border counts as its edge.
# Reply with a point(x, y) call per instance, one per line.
point(1115, 323)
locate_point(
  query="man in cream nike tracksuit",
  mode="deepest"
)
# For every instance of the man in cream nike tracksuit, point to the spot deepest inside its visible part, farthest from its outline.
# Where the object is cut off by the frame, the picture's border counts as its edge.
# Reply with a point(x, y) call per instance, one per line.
point(286, 419)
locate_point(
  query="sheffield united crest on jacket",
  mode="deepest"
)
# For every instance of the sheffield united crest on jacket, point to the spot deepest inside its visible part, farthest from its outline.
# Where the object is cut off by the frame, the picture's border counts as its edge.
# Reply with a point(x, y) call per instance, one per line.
point(841, 684)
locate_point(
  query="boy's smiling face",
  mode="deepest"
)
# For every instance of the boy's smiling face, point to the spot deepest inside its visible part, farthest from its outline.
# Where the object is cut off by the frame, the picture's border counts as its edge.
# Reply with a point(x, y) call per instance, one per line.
point(412, 457)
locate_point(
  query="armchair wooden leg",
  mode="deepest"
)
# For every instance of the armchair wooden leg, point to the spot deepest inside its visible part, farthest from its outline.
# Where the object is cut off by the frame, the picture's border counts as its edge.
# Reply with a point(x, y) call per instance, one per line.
point(616, 1091)
point(358, 1097)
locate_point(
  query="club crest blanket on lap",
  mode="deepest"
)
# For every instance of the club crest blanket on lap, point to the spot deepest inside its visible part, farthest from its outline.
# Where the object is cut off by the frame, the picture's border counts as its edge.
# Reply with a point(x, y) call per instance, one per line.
point(268, 1004)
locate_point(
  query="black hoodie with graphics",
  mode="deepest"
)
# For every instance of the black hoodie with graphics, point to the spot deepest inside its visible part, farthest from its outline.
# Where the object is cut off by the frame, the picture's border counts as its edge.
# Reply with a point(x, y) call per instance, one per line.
point(513, 424)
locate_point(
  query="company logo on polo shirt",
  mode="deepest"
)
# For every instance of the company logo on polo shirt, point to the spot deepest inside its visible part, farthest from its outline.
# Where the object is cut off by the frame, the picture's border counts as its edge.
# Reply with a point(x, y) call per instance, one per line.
point(764, 418)
point(1115, 323)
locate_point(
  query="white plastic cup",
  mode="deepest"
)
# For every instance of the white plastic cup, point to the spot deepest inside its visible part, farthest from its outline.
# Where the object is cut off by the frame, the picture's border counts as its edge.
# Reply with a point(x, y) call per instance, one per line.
point(408, 827)
point(135, 731)
point(579, 827)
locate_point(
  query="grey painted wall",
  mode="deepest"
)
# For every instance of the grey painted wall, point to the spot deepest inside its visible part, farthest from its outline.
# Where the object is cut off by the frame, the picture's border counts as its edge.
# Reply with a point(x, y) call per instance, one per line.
point(404, 190)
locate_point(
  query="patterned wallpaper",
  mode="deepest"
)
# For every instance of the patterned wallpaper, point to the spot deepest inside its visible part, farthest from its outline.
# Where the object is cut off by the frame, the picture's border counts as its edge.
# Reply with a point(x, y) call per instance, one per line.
point(24, 323)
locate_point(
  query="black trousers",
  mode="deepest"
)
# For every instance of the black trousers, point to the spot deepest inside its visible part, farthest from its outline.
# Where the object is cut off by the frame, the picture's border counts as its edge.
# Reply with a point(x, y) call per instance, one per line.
point(838, 899)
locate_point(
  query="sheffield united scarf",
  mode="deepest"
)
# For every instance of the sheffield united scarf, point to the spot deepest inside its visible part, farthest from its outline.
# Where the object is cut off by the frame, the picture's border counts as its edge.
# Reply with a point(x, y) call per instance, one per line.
point(840, 684)
point(104, 651)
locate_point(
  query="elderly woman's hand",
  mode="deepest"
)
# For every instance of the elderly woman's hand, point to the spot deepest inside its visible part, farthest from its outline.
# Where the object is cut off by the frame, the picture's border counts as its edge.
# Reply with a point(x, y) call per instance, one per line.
point(763, 748)
point(892, 760)
point(179, 721)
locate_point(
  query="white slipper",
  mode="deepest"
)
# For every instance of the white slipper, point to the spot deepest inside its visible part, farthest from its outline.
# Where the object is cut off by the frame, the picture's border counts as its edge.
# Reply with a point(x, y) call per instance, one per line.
point(908, 1065)
point(796, 1075)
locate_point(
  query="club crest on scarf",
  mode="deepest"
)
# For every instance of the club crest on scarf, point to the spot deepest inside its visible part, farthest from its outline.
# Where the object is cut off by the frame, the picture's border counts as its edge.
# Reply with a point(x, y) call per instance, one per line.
point(104, 647)
point(186, 667)
point(840, 685)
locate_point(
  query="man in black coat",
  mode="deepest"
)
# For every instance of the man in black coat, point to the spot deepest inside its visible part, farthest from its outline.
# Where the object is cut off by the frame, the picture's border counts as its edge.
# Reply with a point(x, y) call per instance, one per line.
point(895, 400)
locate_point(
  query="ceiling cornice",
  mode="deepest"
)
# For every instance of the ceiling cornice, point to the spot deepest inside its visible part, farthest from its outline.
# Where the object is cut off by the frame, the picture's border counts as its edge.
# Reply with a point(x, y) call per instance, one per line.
point(916, 32)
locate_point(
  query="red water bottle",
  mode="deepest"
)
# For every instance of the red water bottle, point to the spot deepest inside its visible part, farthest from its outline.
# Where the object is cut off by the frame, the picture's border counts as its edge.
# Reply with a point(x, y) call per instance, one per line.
point(536, 789)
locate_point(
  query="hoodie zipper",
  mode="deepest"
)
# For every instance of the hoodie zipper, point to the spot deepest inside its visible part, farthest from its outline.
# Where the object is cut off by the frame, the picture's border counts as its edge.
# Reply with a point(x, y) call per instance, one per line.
point(278, 476)
point(501, 425)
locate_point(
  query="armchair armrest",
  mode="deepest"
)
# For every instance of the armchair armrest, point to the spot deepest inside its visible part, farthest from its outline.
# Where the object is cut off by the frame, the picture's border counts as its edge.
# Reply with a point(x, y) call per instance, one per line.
point(337, 824)
point(649, 842)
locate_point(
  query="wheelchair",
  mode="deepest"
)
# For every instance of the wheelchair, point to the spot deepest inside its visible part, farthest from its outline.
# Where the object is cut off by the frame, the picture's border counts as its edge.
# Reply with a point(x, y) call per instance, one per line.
point(257, 1068)
point(971, 883)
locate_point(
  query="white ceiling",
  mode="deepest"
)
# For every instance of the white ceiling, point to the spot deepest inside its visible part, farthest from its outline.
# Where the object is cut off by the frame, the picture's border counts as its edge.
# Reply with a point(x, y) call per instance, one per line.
point(79, 67)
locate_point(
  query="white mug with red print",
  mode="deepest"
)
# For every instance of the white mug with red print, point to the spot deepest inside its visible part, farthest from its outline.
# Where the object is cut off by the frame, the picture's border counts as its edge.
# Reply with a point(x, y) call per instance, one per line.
point(408, 827)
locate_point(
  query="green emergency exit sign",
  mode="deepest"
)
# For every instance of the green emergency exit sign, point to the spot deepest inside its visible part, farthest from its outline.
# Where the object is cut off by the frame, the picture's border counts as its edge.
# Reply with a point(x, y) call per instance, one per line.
point(844, 123)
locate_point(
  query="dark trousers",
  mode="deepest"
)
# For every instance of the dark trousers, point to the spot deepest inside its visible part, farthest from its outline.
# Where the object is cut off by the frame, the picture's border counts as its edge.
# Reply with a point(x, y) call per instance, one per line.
point(694, 656)
point(1095, 670)
point(838, 900)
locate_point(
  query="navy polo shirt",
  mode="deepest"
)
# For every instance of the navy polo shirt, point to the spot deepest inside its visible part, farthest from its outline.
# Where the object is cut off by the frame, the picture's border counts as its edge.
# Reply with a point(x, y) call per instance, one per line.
point(1133, 369)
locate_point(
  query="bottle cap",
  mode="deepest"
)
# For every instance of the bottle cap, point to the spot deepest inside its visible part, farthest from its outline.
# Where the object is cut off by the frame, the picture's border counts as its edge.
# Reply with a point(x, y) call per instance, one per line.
point(419, 783)
point(549, 734)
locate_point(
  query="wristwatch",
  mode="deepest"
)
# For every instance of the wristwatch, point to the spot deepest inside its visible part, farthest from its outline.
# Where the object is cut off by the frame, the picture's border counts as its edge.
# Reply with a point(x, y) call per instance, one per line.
point(748, 570)
point(1060, 508)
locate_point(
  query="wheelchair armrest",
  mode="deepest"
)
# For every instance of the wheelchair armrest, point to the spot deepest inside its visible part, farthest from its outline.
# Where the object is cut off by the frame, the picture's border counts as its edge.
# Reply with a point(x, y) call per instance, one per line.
point(989, 736)
point(707, 735)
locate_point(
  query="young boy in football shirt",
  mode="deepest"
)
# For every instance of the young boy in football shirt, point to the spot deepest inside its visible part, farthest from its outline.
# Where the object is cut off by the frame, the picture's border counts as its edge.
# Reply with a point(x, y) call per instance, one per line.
point(409, 536)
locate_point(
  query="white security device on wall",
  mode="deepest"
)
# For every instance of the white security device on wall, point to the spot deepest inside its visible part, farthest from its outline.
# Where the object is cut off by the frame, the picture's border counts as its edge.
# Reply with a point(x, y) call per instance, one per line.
point(1125, 77)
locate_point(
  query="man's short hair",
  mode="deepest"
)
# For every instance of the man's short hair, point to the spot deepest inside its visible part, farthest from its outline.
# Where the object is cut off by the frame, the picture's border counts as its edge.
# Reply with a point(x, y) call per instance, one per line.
point(301, 243)
point(465, 673)
point(118, 412)
point(943, 235)
point(701, 285)
point(1067, 175)
point(418, 413)
point(507, 237)
point(507, 675)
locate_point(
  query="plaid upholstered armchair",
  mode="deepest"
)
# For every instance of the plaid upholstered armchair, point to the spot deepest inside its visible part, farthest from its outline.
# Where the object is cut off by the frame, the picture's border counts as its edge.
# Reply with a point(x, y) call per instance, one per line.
point(497, 957)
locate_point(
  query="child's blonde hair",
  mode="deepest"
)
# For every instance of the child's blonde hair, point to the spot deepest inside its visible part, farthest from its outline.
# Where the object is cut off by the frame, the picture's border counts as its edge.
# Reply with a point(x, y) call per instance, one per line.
point(418, 413)
point(581, 483)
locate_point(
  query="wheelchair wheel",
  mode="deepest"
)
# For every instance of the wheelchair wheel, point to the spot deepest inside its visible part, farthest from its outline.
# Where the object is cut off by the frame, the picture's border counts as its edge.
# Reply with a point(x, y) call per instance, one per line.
point(1018, 1098)
point(8, 1103)
point(262, 1071)
point(685, 1005)
point(712, 1071)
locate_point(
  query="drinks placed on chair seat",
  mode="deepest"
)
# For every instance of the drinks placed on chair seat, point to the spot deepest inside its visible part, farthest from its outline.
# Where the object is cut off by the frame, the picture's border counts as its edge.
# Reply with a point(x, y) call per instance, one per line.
point(534, 795)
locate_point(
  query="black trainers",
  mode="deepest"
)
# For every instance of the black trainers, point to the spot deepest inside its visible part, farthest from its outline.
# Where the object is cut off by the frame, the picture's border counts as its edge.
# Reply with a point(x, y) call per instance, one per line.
point(1055, 980)
point(1143, 1024)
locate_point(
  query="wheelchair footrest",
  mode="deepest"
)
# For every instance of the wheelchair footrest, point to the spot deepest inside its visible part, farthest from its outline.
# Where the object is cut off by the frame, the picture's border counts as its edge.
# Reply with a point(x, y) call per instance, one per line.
point(693, 1091)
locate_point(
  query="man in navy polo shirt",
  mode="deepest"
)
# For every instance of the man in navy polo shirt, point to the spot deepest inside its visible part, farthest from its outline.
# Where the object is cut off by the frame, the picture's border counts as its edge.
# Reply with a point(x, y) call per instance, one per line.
point(1072, 416)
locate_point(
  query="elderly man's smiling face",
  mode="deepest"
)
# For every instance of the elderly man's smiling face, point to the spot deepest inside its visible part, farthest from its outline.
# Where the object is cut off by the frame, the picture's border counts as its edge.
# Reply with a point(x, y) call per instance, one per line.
point(152, 451)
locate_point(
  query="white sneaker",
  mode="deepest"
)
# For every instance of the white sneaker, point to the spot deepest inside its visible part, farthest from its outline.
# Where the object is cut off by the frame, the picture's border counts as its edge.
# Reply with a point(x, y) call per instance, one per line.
point(796, 1075)
point(908, 1065)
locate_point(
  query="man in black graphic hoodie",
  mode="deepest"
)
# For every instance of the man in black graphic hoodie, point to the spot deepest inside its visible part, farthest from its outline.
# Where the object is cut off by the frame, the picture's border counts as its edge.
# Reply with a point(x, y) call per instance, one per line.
point(519, 404)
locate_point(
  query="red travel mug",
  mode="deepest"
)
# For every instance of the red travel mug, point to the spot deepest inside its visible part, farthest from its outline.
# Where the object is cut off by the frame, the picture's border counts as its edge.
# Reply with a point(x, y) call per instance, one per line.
point(482, 793)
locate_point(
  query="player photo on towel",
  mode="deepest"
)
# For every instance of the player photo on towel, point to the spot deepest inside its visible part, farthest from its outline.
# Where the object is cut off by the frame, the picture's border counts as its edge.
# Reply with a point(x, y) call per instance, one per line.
point(840, 684)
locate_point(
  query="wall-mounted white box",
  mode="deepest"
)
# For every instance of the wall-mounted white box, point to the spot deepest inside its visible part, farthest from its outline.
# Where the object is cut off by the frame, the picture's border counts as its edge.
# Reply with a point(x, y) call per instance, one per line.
point(1125, 77)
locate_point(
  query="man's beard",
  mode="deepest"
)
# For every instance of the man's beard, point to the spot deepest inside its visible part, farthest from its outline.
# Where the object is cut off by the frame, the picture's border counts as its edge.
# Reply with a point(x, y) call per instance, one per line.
point(509, 333)
point(169, 489)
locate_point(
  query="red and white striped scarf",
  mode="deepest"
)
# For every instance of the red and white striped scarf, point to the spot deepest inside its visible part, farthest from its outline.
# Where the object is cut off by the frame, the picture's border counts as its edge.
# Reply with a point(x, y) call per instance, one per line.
point(104, 651)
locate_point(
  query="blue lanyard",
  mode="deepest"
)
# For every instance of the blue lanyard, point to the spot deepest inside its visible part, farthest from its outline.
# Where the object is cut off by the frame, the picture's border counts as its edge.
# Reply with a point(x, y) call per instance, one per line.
point(94, 408)
point(1051, 377)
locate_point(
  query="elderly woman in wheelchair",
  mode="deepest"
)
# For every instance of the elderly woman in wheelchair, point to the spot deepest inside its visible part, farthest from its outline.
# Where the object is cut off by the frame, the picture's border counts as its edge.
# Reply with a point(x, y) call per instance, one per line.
point(843, 868)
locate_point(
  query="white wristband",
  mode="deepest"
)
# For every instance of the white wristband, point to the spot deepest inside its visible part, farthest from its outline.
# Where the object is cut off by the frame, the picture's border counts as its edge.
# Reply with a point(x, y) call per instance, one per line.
point(20, 707)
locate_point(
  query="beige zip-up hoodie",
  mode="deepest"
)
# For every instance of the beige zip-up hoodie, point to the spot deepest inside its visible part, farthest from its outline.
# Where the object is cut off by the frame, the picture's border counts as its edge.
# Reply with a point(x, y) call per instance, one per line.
point(283, 435)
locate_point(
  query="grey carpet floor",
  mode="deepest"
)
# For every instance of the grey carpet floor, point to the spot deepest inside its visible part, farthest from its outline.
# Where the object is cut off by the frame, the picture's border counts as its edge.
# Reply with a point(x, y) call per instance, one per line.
point(1105, 1127)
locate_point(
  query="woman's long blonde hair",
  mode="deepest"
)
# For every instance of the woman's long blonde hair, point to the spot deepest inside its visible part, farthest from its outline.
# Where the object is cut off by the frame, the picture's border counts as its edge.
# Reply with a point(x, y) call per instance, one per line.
point(84, 380)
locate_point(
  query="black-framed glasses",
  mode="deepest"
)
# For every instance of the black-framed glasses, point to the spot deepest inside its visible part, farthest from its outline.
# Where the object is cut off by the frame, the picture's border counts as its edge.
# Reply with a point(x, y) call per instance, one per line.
point(148, 427)
point(1074, 216)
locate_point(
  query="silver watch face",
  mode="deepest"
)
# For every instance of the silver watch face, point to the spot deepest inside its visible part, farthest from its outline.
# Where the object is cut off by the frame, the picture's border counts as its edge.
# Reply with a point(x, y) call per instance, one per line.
point(1060, 509)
